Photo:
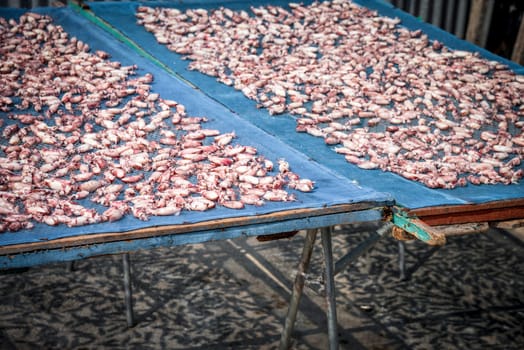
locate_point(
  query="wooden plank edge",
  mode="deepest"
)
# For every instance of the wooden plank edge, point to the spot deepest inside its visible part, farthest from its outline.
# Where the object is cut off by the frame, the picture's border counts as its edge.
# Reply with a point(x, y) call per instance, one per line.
point(509, 224)
point(156, 231)
point(517, 232)
point(407, 227)
point(518, 48)
point(513, 227)
point(443, 230)
point(470, 213)
point(463, 229)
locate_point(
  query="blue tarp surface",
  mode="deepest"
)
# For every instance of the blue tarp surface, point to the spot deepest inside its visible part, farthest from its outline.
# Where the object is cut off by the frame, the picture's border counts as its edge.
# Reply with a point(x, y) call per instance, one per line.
point(331, 188)
point(121, 15)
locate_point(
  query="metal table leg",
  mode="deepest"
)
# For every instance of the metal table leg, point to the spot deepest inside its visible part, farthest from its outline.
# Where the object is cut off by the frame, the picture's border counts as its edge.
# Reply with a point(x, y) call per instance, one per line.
point(297, 289)
point(402, 260)
point(331, 269)
point(330, 288)
point(128, 294)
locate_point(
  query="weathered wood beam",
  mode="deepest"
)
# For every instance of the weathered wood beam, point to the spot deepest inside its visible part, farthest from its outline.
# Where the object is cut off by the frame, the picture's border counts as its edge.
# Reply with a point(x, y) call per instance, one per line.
point(518, 48)
point(479, 21)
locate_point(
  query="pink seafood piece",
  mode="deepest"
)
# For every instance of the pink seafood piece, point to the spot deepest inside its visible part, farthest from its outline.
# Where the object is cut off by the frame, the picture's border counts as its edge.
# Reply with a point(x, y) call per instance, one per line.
point(84, 132)
point(394, 99)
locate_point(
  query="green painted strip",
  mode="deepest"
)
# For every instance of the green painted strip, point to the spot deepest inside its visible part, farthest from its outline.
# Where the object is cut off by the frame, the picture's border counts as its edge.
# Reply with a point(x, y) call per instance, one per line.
point(118, 35)
point(405, 223)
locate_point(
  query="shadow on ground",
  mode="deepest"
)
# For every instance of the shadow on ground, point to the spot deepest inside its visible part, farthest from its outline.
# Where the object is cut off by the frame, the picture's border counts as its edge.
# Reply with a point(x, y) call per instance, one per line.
point(468, 294)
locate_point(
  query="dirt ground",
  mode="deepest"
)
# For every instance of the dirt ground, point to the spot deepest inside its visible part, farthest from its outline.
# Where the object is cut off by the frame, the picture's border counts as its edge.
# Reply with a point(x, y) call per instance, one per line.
point(233, 294)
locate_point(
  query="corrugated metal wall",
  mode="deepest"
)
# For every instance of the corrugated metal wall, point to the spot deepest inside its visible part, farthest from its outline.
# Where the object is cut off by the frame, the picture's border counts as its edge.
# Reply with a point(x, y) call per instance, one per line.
point(37, 3)
point(450, 15)
point(25, 3)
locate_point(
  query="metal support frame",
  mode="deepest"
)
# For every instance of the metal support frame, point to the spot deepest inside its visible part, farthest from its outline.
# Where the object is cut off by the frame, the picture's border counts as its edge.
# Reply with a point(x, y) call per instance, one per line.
point(402, 260)
point(362, 248)
point(404, 272)
point(330, 270)
point(331, 301)
point(128, 293)
point(298, 286)
point(70, 266)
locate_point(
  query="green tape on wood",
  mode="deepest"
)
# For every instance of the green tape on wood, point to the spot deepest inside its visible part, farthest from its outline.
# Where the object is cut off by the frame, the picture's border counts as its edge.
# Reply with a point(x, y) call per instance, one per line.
point(418, 228)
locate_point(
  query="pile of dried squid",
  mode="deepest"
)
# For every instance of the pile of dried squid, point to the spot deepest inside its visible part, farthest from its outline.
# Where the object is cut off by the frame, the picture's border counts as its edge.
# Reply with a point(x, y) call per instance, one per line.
point(86, 141)
point(383, 96)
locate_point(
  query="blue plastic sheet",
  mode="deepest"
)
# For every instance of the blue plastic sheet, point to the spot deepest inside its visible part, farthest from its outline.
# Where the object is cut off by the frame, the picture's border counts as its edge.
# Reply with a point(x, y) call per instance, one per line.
point(331, 188)
point(407, 193)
